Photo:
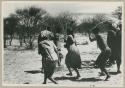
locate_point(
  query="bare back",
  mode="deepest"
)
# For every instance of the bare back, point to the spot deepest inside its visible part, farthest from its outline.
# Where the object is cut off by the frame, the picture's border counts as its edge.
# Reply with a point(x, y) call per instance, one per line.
point(101, 43)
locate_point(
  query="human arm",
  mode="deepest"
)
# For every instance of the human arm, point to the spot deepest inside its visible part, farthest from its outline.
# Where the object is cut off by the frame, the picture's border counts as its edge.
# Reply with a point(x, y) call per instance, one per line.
point(38, 44)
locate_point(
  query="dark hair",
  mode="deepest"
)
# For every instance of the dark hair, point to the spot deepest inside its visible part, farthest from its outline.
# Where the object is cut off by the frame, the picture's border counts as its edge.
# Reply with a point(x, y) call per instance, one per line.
point(70, 39)
point(48, 28)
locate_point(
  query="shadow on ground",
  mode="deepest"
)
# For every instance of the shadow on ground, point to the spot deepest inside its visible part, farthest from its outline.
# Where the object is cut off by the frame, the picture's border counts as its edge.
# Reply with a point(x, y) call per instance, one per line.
point(79, 80)
point(33, 71)
point(113, 73)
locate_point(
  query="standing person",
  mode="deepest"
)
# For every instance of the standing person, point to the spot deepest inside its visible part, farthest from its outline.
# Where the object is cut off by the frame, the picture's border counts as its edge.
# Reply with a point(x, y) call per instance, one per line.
point(73, 59)
point(114, 42)
point(118, 48)
point(48, 50)
point(40, 38)
point(105, 52)
point(111, 39)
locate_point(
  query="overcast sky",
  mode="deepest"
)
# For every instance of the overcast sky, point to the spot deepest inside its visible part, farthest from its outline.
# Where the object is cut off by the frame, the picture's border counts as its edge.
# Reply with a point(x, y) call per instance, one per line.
point(54, 7)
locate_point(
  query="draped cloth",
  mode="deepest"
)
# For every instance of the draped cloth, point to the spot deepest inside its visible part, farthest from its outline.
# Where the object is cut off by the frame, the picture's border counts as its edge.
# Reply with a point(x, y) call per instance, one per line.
point(47, 50)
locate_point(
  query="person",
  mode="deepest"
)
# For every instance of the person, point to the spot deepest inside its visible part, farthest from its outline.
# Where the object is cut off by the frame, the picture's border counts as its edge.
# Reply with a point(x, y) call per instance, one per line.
point(118, 48)
point(73, 59)
point(114, 42)
point(105, 52)
point(111, 39)
point(40, 38)
point(48, 50)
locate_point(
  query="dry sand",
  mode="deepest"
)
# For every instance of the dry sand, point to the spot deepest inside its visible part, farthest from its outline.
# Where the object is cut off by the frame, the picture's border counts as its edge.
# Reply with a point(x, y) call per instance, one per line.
point(24, 67)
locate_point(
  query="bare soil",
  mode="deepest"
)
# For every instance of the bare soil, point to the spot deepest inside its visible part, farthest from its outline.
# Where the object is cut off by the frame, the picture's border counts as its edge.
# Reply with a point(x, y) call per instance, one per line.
point(24, 67)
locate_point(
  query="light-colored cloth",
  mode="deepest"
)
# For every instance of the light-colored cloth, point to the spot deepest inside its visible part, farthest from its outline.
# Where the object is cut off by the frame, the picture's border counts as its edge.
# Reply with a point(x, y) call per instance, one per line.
point(48, 51)
point(50, 47)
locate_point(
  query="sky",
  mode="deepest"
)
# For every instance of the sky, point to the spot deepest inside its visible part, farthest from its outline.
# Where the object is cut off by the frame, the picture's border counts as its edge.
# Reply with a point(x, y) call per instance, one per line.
point(56, 7)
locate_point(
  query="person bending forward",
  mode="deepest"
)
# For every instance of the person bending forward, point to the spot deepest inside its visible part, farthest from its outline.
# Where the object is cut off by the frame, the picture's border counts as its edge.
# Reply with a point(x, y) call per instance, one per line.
point(105, 52)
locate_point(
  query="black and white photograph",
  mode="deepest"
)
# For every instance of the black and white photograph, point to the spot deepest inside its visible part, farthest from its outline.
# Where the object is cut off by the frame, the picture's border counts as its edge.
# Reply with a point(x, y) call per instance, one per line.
point(62, 43)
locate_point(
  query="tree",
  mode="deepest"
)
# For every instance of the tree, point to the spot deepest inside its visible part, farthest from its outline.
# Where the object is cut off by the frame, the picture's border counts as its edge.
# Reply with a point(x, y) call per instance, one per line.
point(29, 23)
point(10, 24)
point(89, 23)
point(66, 22)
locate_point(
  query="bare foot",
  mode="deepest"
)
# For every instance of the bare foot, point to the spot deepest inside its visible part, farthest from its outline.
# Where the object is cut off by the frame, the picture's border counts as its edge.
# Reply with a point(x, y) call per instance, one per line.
point(101, 74)
point(44, 83)
point(78, 76)
point(106, 79)
point(118, 71)
point(70, 74)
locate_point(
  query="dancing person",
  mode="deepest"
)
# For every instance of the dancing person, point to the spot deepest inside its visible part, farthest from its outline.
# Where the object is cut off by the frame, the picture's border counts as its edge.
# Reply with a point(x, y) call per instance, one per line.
point(73, 59)
point(105, 52)
point(40, 38)
point(114, 42)
point(48, 50)
point(111, 41)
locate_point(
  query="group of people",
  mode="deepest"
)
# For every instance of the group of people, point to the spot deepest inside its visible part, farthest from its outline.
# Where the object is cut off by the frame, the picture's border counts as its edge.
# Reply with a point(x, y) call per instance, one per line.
point(110, 51)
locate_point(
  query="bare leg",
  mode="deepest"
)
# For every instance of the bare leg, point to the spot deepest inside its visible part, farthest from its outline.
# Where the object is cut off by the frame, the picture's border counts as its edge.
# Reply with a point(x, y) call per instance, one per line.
point(42, 69)
point(53, 80)
point(107, 74)
point(118, 61)
point(45, 79)
point(59, 63)
point(118, 67)
point(77, 72)
point(70, 72)
point(101, 73)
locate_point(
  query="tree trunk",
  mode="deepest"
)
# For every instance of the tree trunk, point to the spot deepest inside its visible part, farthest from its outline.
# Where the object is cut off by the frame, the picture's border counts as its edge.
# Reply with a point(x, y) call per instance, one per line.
point(20, 42)
point(20, 39)
point(30, 43)
point(24, 40)
point(11, 38)
point(5, 46)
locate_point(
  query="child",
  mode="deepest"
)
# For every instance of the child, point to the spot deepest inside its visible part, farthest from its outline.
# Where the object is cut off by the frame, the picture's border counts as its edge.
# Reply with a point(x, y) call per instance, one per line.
point(105, 52)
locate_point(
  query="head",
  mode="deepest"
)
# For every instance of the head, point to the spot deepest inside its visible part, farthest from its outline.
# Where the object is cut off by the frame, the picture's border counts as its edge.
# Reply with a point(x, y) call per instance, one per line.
point(70, 39)
point(95, 31)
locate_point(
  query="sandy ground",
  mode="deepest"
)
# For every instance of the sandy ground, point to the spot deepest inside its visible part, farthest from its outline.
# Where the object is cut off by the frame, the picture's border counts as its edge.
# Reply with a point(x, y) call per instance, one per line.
point(24, 67)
